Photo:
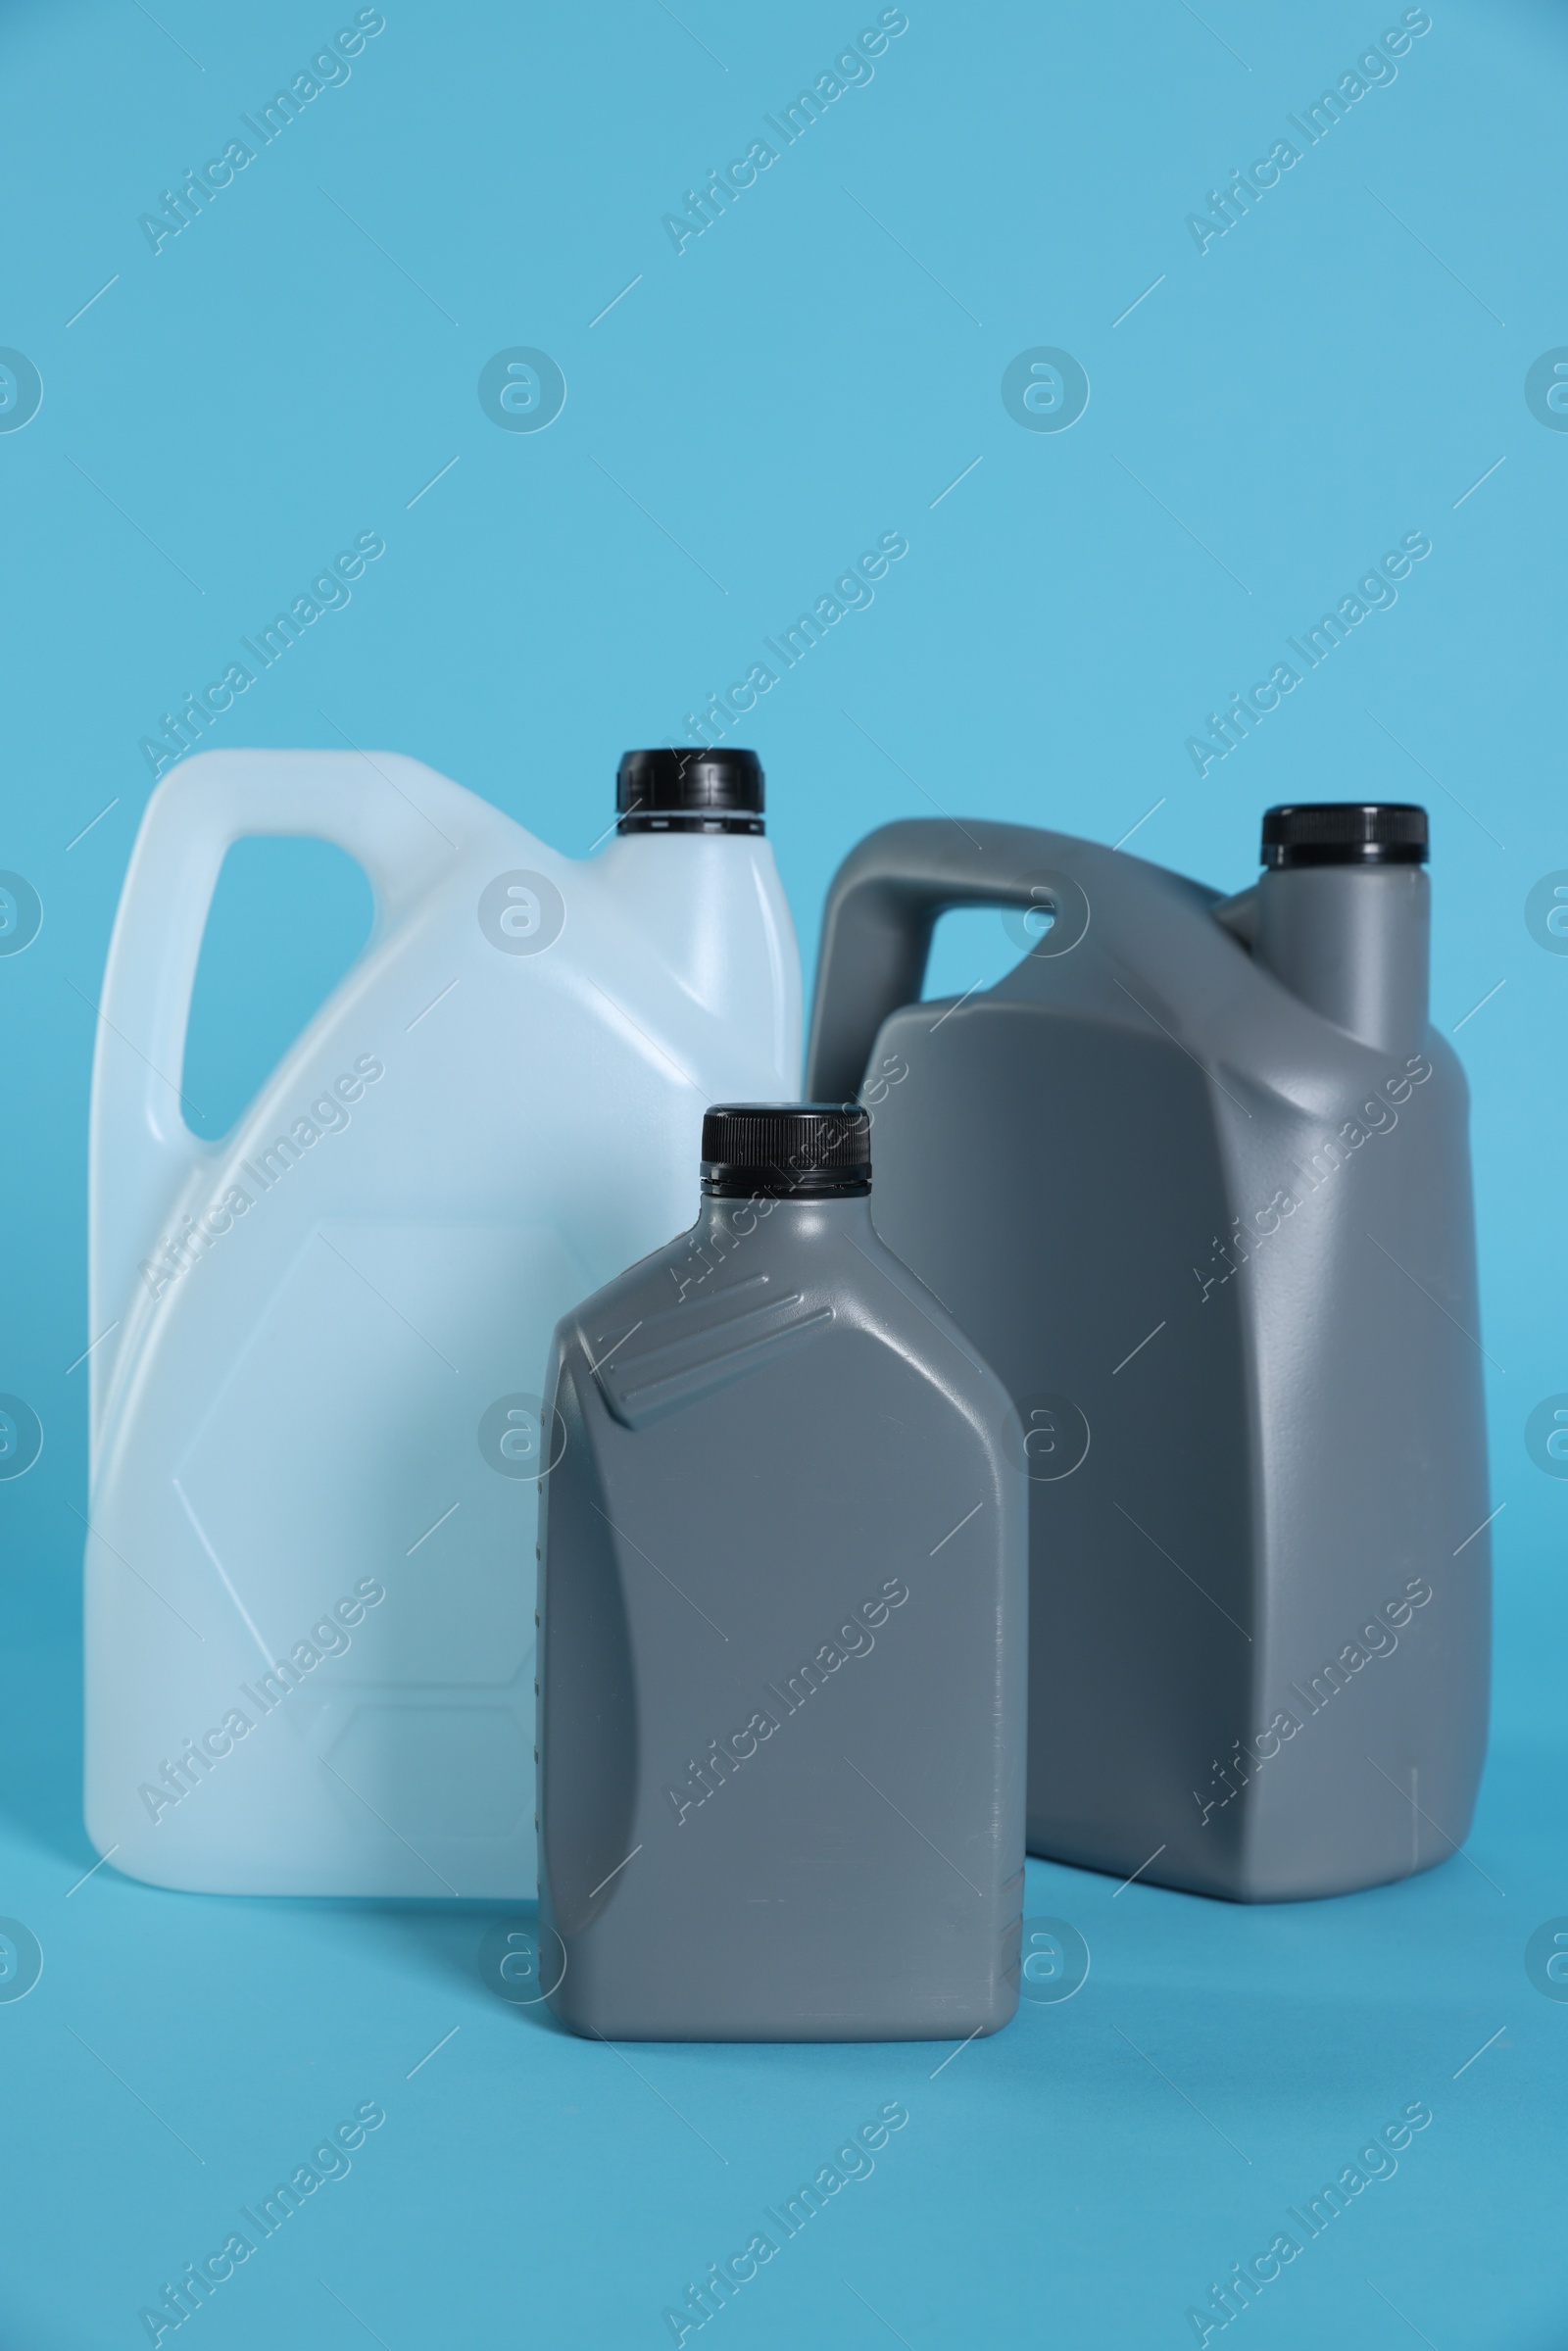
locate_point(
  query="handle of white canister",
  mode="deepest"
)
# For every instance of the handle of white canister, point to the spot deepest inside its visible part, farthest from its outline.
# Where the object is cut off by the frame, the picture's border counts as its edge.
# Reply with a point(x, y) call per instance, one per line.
point(404, 824)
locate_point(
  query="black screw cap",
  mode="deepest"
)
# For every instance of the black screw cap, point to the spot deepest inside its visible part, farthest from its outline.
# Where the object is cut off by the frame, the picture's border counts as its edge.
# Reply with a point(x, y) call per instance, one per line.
point(679, 791)
point(786, 1150)
point(1345, 832)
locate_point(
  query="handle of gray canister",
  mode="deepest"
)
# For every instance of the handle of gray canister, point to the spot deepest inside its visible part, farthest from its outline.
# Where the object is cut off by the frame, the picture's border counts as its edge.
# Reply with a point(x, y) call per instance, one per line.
point(881, 911)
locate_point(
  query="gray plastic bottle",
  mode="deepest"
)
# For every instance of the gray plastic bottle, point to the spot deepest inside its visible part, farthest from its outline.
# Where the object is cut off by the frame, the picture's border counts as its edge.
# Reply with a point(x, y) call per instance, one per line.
point(1222, 1253)
point(783, 1601)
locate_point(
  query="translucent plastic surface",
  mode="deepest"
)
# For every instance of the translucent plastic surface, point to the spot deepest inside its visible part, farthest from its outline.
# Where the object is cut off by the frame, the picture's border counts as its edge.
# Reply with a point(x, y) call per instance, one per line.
point(310, 1636)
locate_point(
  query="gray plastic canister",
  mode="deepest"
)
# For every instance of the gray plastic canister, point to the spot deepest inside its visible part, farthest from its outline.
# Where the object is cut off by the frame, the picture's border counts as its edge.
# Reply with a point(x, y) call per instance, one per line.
point(1220, 1246)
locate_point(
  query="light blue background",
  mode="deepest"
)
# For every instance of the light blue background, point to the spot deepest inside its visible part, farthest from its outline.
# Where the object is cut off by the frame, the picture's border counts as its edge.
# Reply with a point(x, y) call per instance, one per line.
point(737, 429)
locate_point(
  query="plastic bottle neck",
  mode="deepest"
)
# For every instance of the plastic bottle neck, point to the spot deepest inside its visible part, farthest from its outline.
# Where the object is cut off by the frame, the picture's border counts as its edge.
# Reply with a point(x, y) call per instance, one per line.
point(712, 907)
point(1355, 943)
point(801, 1219)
